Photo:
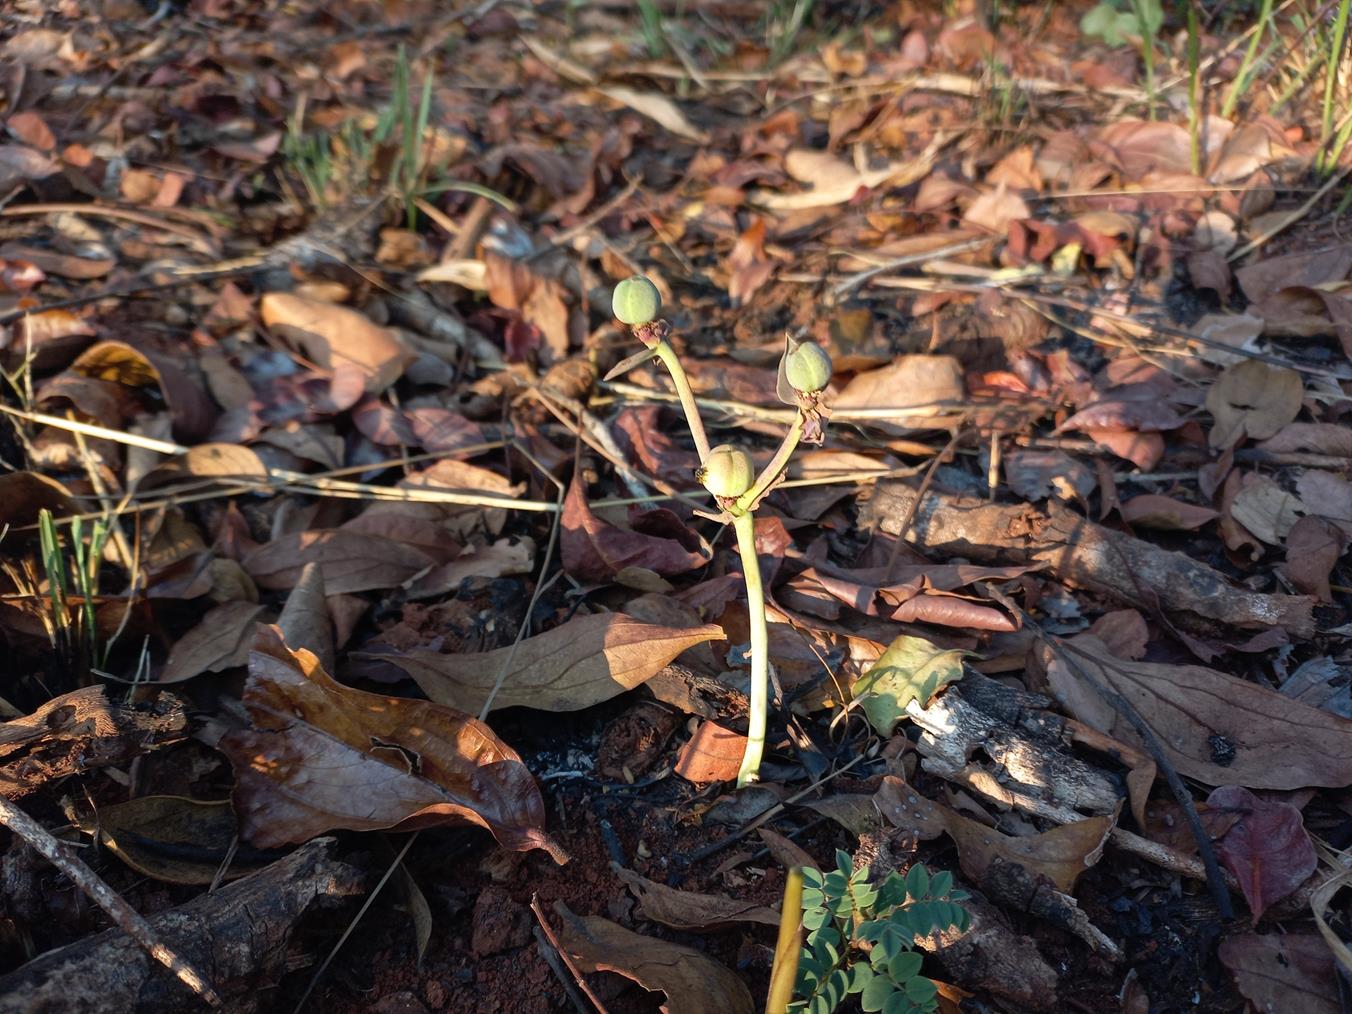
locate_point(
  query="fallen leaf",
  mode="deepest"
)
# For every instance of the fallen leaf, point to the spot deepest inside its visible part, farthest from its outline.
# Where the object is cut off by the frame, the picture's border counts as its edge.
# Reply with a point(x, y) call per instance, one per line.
point(333, 336)
point(1061, 855)
point(712, 754)
point(582, 662)
point(836, 181)
point(497, 559)
point(322, 756)
point(1322, 438)
point(748, 267)
point(1253, 399)
point(1283, 973)
point(911, 669)
point(1266, 509)
point(1036, 475)
point(221, 641)
point(1123, 632)
point(995, 209)
point(693, 982)
point(687, 910)
point(352, 560)
point(911, 392)
point(656, 107)
point(1313, 548)
point(1152, 510)
point(175, 839)
point(595, 551)
point(1268, 276)
point(1213, 727)
point(1267, 849)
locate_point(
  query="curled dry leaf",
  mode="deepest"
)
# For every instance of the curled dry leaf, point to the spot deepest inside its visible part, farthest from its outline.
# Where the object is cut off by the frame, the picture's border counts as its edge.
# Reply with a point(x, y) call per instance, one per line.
point(1061, 854)
point(693, 982)
point(322, 756)
point(585, 661)
point(1313, 548)
point(593, 550)
point(1267, 849)
point(1253, 399)
point(712, 754)
point(911, 669)
point(351, 560)
point(1213, 727)
point(687, 910)
point(332, 336)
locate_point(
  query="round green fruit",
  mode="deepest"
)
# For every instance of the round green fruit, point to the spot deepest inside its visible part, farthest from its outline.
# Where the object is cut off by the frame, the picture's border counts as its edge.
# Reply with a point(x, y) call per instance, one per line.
point(728, 471)
point(807, 368)
point(636, 301)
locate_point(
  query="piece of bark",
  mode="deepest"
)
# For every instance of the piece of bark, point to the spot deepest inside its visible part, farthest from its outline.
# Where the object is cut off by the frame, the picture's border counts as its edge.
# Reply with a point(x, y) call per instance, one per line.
point(81, 730)
point(990, 956)
point(241, 934)
point(1029, 744)
point(1082, 554)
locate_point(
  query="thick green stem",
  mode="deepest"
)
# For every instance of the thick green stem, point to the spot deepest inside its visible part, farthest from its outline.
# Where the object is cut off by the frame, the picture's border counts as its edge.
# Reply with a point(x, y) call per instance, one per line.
point(672, 362)
point(770, 473)
point(744, 524)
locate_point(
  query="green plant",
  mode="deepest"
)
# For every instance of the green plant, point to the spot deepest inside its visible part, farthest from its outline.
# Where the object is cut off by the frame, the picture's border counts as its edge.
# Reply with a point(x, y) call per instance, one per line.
point(64, 596)
point(784, 21)
point(861, 937)
point(650, 21)
point(1333, 145)
point(349, 157)
point(726, 471)
point(1246, 68)
point(1117, 22)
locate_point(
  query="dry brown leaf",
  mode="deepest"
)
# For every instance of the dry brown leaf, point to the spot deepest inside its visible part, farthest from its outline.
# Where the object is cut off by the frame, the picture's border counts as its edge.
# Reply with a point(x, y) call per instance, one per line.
point(351, 560)
point(174, 838)
point(322, 756)
point(712, 754)
point(221, 641)
point(687, 910)
point(914, 390)
point(1153, 510)
point(836, 181)
point(332, 336)
point(1061, 855)
point(1253, 399)
point(1265, 509)
point(1215, 728)
point(497, 559)
point(1313, 548)
point(1283, 973)
point(582, 662)
point(693, 982)
point(748, 267)
point(305, 617)
point(995, 209)
point(656, 107)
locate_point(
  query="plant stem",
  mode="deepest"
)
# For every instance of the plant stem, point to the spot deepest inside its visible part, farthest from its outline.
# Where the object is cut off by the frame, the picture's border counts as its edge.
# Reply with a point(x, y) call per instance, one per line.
point(1241, 82)
point(672, 362)
point(747, 500)
point(789, 945)
point(744, 524)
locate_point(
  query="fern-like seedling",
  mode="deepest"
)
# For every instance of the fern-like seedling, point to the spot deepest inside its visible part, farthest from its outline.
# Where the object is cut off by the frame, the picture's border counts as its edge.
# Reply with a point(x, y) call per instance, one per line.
point(861, 938)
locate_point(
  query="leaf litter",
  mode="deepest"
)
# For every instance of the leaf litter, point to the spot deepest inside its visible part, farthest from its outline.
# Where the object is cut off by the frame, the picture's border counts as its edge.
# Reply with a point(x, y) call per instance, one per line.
point(304, 314)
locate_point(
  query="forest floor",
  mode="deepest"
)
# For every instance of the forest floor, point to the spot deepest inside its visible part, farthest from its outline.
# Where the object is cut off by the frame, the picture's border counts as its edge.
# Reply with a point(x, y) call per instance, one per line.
point(371, 637)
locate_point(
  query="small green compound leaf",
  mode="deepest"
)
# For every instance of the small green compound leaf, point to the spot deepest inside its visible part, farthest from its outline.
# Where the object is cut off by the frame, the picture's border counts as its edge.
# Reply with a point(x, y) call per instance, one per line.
point(911, 669)
point(860, 976)
point(1108, 23)
point(941, 884)
point(876, 994)
point(918, 881)
point(905, 965)
point(921, 991)
point(898, 1004)
point(815, 918)
point(811, 878)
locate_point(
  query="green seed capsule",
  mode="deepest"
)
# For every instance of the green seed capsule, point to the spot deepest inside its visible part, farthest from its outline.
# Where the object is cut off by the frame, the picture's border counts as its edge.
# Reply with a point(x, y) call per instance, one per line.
point(636, 301)
point(807, 367)
point(728, 471)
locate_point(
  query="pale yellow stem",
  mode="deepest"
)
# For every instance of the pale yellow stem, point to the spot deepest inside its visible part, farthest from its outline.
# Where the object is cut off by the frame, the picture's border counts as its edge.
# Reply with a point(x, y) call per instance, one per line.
point(672, 362)
point(745, 527)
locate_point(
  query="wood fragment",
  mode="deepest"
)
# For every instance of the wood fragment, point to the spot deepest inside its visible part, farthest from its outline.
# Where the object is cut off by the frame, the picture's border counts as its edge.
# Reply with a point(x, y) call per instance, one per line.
point(241, 932)
point(1081, 554)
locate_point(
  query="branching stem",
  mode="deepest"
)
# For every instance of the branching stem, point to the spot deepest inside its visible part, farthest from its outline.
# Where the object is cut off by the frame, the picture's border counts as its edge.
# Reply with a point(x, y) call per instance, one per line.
point(663, 350)
point(747, 500)
point(744, 524)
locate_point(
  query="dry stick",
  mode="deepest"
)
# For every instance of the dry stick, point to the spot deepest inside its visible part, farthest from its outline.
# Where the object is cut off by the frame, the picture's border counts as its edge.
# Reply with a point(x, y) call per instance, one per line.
point(551, 956)
point(1214, 878)
point(554, 942)
point(127, 918)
